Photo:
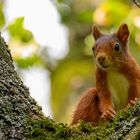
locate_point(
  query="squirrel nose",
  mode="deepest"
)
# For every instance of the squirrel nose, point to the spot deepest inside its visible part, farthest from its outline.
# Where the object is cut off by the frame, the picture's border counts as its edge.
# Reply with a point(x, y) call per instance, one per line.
point(101, 59)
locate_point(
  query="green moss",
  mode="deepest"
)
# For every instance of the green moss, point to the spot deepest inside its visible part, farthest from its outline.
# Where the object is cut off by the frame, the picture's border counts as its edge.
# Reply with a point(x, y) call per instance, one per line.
point(46, 128)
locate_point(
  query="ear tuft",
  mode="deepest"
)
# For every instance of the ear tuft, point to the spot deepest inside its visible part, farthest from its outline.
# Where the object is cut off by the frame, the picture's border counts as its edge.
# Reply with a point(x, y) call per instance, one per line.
point(96, 33)
point(123, 33)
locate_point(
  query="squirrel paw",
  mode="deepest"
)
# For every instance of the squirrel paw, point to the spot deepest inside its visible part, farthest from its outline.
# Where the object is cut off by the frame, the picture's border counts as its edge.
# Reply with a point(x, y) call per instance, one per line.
point(132, 102)
point(108, 113)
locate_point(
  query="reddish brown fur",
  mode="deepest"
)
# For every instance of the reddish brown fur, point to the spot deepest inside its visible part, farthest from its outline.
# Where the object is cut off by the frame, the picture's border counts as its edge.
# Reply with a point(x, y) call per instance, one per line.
point(96, 103)
point(88, 108)
point(103, 91)
point(132, 72)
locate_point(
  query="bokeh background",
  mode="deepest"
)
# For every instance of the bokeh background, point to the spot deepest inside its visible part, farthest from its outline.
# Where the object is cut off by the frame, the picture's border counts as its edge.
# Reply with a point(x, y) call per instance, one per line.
point(51, 42)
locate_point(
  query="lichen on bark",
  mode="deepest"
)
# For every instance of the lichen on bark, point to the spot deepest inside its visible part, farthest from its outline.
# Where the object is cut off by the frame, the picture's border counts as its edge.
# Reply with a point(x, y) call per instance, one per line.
point(21, 117)
point(16, 104)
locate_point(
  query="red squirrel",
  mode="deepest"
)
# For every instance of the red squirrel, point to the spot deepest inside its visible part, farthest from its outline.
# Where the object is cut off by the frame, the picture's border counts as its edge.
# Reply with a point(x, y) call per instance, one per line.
point(117, 78)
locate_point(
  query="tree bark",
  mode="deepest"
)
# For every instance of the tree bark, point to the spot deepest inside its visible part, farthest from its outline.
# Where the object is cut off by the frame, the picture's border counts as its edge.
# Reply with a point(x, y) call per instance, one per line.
point(16, 104)
point(21, 118)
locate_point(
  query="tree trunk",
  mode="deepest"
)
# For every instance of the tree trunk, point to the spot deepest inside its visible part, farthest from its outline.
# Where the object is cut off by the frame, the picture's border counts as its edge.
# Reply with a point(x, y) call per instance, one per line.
point(21, 118)
point(16, 105)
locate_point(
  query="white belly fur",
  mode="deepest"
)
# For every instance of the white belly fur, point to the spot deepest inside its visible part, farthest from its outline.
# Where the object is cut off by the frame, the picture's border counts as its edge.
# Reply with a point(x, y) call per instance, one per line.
point(118, 86)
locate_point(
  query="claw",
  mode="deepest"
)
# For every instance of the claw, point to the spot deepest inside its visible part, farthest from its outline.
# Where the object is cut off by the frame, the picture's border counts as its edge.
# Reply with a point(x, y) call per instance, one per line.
point(108, 114)
point(113, 111)
point(132, 102)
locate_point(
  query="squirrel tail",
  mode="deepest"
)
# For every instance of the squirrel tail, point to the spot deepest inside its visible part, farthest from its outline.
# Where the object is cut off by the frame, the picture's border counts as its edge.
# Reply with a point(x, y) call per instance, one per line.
point(88, 108)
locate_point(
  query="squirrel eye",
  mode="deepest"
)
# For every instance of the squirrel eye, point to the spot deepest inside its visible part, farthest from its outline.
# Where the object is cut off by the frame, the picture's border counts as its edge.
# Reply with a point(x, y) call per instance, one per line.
point(117, 47)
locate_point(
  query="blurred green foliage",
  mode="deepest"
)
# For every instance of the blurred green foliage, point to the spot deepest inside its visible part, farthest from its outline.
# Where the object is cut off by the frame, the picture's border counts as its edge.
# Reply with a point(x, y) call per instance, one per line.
point(25, 63)
point(17, 30)
point(75, 73)
point(20, 39)
point(2, 18)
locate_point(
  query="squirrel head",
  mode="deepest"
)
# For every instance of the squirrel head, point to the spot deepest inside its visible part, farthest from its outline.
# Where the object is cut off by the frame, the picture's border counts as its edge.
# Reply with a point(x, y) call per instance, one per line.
point(110, 51)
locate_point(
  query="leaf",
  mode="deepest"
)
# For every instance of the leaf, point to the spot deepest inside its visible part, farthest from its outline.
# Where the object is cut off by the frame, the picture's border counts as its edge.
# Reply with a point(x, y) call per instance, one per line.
point(2, 18)
point(17, 30)
point(28, 62)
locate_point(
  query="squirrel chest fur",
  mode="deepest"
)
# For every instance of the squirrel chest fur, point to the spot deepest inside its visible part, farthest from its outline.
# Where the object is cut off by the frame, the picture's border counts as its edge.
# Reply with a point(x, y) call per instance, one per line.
point(118, 86)
point(117, 78)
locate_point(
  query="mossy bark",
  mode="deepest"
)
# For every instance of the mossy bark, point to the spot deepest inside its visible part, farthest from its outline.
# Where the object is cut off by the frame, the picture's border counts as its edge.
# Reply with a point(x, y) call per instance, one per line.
point(16, 104)
point(21, 118)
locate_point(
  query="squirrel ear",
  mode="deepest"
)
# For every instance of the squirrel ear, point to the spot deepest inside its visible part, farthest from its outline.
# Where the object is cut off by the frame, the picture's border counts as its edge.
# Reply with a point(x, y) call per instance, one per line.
point(96, 33)
point(123, 33)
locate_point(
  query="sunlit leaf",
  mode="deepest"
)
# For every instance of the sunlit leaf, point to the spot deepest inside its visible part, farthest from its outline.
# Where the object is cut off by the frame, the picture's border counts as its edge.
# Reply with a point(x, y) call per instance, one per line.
point(2, 17)
point(28, 61)
point(17, 30)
